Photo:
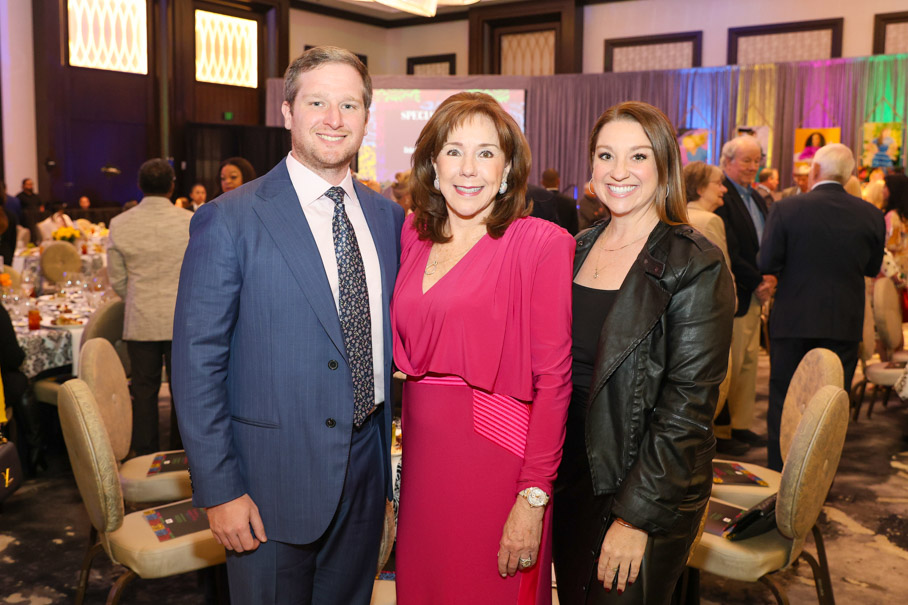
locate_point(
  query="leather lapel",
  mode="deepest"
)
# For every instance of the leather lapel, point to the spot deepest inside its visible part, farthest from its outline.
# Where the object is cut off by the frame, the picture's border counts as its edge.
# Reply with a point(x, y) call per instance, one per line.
point(278, 207)
point(640, 303)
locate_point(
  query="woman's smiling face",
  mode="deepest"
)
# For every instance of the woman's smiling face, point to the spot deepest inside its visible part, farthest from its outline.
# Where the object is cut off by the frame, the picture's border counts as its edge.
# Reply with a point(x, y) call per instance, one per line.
point(625, 176)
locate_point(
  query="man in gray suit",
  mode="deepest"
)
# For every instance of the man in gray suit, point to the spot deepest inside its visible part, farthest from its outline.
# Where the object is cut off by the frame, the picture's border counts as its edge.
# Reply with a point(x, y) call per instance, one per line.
point(143, 262)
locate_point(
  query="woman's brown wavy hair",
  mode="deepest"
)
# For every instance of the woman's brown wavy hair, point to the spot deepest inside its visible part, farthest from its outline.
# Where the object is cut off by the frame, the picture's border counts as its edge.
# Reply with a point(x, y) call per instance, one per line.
point(670, 202)
point(431, 213)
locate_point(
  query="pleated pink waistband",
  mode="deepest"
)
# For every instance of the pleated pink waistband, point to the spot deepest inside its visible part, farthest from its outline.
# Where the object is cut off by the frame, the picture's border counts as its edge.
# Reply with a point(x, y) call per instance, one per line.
point(502, 420)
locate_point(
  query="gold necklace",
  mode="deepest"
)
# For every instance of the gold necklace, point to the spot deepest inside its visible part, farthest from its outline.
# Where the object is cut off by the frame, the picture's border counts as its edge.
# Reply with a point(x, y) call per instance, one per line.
point(432, 267)
point(604, 249)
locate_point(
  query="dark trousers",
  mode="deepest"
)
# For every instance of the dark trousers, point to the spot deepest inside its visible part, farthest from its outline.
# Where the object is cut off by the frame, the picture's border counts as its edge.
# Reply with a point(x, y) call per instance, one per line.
point(146, 358)
point(337, 569)
point(785, 355)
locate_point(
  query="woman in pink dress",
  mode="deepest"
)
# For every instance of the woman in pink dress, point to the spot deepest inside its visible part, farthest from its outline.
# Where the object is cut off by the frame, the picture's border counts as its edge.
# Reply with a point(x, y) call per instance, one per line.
point(482, 327)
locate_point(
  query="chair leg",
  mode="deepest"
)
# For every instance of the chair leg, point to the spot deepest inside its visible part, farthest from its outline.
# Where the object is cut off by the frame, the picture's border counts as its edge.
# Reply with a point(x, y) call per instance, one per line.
point(886, 392)
point(116, 591)
point(820, 569)
point(872, 399)
point(777, 590)
point(94, 547)
point(856, 400)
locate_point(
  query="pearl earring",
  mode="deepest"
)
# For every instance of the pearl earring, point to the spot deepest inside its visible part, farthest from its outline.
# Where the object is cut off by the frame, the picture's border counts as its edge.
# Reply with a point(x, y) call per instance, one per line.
point(503, 188)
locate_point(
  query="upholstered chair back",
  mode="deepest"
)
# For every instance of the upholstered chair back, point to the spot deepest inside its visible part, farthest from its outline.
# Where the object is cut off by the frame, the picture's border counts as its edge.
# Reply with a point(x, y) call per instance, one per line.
point(107, 322)
point(102, 372)
point(91, 456)
point(887, 314)
point(819, 368)
point(811, 465)
point(868, 335)
point(59, 258)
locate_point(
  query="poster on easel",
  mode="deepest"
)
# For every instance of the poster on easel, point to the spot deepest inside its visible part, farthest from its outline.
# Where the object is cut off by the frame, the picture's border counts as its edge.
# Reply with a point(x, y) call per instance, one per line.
point(882, 145)
point(809, 140)
point(694, 145)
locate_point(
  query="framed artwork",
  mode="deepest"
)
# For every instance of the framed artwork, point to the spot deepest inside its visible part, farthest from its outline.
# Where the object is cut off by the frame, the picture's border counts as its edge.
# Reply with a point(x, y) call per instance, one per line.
point(647, 53)
point(809, 140)
point(694, 145)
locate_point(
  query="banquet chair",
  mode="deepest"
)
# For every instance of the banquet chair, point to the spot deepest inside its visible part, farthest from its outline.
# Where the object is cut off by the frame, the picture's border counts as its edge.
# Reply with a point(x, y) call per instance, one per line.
point(815, 450)
point(14, 276)
point(107, 323)
point(23, 237)
point(58, 259)
point(866, 349)
point(102, 372)
point(129, 540)
point(83, 224)
point(887, 317)
point(818, 369)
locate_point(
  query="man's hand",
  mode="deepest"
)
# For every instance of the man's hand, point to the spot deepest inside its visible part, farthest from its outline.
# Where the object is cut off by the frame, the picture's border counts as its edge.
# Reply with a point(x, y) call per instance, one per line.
point(766, 289)
point(230, 523)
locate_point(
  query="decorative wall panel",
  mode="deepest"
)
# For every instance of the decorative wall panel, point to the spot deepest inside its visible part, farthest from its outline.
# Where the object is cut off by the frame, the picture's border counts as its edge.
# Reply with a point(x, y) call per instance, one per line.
point(226, 49)
point(108, 34)
point(672, 55)
point(791, 46)
point(432, 69)
point(897, 38)
point(528, 54)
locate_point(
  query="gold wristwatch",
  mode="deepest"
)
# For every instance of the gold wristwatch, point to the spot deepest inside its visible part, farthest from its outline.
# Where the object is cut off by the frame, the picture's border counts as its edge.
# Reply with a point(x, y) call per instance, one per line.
point(535, 497)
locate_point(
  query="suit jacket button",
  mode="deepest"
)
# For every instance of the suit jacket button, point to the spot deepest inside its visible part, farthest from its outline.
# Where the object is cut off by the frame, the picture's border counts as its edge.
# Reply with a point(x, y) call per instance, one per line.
point(332, 365)
point(330, 423)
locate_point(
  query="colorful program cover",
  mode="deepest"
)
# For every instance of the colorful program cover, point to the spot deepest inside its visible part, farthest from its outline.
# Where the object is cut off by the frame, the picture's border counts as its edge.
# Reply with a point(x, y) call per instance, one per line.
point(733, 473)
point(175, 520)
point(168, 463)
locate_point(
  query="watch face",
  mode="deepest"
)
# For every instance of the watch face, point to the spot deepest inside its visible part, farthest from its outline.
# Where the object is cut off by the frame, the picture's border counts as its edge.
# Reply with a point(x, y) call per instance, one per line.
point(536, 497)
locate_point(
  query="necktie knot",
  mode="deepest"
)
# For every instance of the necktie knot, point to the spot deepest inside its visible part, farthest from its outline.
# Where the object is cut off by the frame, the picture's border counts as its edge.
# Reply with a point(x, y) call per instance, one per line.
point(336, 195)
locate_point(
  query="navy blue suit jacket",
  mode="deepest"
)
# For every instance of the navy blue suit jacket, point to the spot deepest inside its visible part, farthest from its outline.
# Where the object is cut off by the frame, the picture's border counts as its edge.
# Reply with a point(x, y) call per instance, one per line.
point(743, 244)
point(820, 245)
point(259, 365)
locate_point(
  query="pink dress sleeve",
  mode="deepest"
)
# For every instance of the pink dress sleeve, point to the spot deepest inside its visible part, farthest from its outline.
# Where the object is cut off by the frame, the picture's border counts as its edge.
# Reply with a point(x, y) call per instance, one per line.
point(550, 347)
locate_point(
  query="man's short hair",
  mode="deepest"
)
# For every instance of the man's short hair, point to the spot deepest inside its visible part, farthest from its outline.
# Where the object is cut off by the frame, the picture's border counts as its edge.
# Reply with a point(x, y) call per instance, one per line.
point(766, 174)
point(836, 162)
point(156, 177)
point(315, 58)
point(730, 149)
point(550, 177)
point(25, 180)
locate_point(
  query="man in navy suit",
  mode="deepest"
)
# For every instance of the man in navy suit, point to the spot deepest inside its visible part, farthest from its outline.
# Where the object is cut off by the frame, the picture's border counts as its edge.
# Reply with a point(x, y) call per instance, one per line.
point(819, 245)
point(282, 354)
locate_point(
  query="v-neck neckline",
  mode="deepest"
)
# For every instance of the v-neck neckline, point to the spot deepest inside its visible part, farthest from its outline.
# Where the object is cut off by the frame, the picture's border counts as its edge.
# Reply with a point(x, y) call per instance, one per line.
point(425, 265)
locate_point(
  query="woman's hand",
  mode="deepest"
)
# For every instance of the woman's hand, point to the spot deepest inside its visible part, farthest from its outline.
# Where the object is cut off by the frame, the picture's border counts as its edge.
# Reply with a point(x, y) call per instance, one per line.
point(621, 555)
point(520, 538)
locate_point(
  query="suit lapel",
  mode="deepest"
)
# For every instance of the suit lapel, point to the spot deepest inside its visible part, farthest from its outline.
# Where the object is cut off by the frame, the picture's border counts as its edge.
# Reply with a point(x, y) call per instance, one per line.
point(381, 225)
point(740, 208)
point(278, 207)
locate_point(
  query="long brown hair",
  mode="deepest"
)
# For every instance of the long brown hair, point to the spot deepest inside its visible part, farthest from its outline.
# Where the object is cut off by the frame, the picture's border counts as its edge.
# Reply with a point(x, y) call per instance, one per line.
point(670, 203)
point(431, 213)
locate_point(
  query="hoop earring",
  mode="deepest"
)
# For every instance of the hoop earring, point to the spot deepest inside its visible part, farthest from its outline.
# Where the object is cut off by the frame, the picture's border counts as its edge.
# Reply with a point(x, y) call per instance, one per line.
point(590, 185)
point(503, 188)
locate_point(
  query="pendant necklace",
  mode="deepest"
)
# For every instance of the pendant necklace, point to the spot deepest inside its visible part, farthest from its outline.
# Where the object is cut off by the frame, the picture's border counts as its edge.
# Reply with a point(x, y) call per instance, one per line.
point(604, 249)
point(433, 266)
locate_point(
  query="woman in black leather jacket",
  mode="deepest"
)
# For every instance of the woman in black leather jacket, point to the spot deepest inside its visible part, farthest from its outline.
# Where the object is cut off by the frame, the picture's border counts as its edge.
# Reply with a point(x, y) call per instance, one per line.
point(653, 307)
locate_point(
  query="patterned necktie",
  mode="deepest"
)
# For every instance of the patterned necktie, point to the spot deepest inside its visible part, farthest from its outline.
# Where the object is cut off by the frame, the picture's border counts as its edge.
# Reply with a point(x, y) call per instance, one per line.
point(353, 307)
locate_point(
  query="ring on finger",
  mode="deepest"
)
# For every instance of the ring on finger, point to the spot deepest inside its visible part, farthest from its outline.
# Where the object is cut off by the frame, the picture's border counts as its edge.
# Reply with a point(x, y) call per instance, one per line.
point(525, 561)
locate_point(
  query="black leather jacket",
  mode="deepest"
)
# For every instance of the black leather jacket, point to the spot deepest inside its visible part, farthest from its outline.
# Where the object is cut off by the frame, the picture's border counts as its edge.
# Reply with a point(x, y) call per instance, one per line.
point(662, 354)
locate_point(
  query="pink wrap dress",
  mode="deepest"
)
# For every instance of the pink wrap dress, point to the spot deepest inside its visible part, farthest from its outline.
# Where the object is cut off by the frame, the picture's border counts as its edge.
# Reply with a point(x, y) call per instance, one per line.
point(488, 353)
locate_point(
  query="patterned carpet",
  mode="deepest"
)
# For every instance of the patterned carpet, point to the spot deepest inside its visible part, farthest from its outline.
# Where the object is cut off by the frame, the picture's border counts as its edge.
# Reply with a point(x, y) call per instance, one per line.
point(44, 529)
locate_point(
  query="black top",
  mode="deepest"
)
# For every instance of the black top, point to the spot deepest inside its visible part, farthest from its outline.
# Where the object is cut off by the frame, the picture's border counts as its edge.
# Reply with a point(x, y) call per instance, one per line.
point(11, 354)
point(591, 307)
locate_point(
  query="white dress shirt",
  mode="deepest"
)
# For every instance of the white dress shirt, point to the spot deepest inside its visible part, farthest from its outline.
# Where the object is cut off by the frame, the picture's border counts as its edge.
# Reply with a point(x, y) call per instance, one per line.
point(319, 211)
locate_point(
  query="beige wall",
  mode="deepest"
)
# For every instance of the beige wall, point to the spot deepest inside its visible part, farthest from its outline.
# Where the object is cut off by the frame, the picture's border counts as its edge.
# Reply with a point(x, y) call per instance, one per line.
point(20, 140)
point(714, 17)
point(387, 48)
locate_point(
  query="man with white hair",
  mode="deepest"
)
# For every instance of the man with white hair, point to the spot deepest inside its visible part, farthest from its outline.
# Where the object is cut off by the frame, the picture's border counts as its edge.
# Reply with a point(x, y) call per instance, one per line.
point(819, 245)
point(744, 214)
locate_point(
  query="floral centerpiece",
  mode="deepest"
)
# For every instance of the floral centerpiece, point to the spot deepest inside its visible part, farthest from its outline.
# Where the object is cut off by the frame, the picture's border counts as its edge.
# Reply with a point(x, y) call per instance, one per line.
point(67, 234)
